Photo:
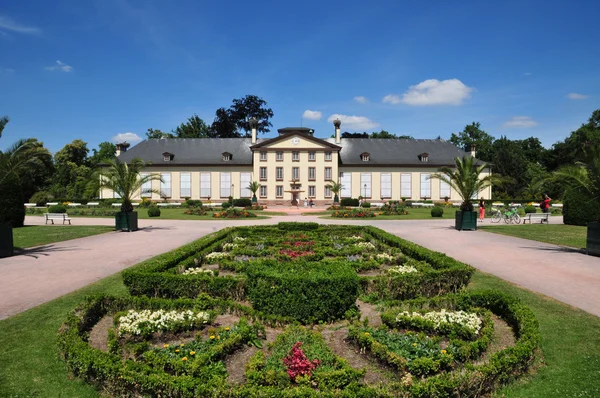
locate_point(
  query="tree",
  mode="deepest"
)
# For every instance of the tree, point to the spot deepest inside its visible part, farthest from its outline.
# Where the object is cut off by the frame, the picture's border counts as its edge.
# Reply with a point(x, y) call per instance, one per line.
point(106, 151)
point(465, 179)
point(254, 186)
point(472, 134)
point(72, 170)
point(223, 126)
point(382, 134)
point(193, 128)
point(125, 180)
point(251, 106)
point(336, 188)
point(346, 134)
point(509, 161)
point(38, 173)
point(3, 121)
point(154, 134)
point(406, 137)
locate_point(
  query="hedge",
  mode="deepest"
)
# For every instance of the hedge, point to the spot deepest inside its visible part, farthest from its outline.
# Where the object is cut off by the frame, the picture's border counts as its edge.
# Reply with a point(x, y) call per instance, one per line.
point(297, 226)
point(303, 290)
point(242, 202)
point(350, 202)
point(579, 208)
point(12, 210)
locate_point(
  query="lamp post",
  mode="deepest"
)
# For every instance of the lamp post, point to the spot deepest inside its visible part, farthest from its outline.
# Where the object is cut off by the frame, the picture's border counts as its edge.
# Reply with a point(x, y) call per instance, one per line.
point(232, 191)
point(365, 193)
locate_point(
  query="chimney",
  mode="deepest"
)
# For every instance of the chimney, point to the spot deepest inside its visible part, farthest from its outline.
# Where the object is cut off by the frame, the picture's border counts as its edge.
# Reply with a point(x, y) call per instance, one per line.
point(121, 148)
point(472, 150)
point(337, 123)
point(253, 125)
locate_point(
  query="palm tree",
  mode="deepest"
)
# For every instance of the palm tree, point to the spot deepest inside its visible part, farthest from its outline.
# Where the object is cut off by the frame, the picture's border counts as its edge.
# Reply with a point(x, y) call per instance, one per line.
point(3, 121)
point(336, 188)
point(254, 186)
point(23, 153)
point(125, 180)
point(465, 179)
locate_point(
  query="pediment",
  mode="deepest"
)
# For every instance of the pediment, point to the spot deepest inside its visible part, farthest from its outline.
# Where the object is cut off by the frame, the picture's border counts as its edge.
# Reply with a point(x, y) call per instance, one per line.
point(292, 141)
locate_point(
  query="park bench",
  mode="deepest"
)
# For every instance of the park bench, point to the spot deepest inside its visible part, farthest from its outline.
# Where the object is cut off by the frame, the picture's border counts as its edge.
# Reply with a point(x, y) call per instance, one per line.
point(57, 216)
point(536, 216)
point(377, 204)
point(90, 204)
point(28, 205)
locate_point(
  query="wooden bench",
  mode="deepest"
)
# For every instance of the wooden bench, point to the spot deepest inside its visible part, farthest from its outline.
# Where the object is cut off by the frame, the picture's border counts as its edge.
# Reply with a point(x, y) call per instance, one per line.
point(57, 216)
point(536, 216)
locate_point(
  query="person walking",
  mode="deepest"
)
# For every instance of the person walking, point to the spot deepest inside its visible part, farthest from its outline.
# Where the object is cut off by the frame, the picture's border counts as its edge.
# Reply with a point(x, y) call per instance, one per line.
point(545, 204)
point(481, 209)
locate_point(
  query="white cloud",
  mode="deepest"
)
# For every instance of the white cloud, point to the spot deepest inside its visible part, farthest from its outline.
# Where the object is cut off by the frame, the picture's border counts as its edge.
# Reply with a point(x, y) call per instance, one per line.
point(354, 122)
point(132, 138)
point(520, 122)
point(360, 99)
point(435, 92)
point(8, 24)
point(391, 99)
point(312, 115)
point(575, 96)
point(60, 66)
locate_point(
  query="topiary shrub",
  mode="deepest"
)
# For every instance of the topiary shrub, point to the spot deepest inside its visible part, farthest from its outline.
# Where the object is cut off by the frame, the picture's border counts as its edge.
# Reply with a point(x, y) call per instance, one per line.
point(366, 205)
point(530, 209)
point(225, 205)
point(349, 202)
point(579, 208)
point(57, 209)
point(242, 202)
point(12, 210)
point(153, 211)
point(40, 198)
point(437, 211)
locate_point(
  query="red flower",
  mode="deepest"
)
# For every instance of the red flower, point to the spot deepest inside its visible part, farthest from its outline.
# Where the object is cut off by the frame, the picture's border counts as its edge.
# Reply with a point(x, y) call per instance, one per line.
point(298, 364)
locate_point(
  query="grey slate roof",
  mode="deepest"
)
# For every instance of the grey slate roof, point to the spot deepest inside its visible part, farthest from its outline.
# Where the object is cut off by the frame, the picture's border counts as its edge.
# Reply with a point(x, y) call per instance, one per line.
point(396, 152)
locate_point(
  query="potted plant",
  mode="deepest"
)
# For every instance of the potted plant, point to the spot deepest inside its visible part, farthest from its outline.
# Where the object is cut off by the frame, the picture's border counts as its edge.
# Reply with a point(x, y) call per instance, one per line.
point(125, 180)
point(336, 188)
point(465, 180)
point(584, 177)
point(254, 186)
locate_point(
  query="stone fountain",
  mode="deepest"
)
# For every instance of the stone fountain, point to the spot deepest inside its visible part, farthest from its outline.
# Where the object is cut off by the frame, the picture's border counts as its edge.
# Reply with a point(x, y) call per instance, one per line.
point(295, 190)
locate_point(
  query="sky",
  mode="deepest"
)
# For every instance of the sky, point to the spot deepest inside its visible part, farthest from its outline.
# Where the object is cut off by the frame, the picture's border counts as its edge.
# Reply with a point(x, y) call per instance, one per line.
point(107, 70)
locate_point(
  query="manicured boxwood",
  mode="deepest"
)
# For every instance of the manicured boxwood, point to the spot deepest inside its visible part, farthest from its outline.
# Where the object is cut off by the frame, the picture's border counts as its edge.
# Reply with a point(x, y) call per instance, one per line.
point(437, 211)
point(153, 211)
point(352, 202)
point(306, 291)
point(297, 226)
point(242, 202)
point(57, 209)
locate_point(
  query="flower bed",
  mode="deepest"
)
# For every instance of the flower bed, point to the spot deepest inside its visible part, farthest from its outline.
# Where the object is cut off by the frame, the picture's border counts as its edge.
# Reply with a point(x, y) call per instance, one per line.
point(233, 213)
point(354, 213)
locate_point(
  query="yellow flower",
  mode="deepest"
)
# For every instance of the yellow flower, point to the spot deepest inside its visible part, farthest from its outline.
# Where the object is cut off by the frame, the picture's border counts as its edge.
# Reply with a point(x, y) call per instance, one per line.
point(367, 334)
point(166, 346)
point(443, 351)
point(177, 350)
point(181, 345)
point(212, 337)
point(192, 352)
point(218, 337)
point(414, 344)
point(184, 359)
point(227, 329)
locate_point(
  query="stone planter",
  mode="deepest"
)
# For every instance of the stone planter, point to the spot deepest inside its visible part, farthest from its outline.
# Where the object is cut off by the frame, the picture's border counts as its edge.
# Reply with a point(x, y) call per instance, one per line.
point(593, 239)
point(465, 220)
point(254, 199)
point(126, 221)
point(6, 240)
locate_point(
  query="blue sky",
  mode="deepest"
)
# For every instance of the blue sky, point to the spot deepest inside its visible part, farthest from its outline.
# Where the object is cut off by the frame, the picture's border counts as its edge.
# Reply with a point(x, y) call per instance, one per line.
point(97, 69)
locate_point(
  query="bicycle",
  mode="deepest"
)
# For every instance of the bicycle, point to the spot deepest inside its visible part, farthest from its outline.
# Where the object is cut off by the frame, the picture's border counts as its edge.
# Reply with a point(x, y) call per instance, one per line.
point(509, 216)
point(496, 215)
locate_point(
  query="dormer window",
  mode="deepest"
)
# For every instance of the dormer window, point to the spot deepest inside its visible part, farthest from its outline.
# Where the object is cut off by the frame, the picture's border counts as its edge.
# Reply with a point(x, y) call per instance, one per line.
point(227, 157)
point(167, 157)
point(424, 157)
point(365, 157)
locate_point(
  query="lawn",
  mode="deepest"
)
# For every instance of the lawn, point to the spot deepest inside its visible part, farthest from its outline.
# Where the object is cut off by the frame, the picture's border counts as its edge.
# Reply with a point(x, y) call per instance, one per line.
point(568, 365)
point(35, 235)
point(556, 234)
point(175, 214)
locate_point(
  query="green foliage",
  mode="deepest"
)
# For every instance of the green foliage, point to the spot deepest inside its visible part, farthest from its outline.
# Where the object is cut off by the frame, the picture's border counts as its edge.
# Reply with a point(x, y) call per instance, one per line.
point(349, 202)
point(579, 208)
point(354, 213)
point(153, 211)
point(473, 135)
point(366, 205)
point(437, 211)
point(242, 202)
point(297, 226)
point(40, 198)
point(57, 209)
point(230, 122)
point(530, 209)
point(305, 291)
point(12, 210)
point(193, 128)
point(225, 205)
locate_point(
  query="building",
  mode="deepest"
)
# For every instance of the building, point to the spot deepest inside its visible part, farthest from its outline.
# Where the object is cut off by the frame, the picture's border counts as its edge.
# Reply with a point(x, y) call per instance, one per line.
point(295, 163)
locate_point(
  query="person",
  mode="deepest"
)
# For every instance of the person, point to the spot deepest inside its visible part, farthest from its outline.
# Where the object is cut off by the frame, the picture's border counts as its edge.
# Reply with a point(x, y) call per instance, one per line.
point(305, 202)
point(545, 204)
point(481, 209)
point(310, 203)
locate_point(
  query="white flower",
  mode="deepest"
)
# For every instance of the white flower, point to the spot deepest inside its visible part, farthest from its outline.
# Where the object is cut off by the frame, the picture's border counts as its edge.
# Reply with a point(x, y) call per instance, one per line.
point(195, 271)
point(354, 237)
point(229, 246)
point(384, 256)
point(402, 269)
point(215, 255)
point(365, 245)
point(239, 239)
point(469, 320)
point(136, 322)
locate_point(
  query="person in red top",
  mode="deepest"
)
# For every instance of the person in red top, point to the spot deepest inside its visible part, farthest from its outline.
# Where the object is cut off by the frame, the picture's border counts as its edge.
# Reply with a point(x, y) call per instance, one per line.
point(545, 205)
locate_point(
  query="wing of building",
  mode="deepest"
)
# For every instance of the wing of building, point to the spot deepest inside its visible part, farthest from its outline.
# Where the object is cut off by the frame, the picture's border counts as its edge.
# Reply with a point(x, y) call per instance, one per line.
point(296, 163)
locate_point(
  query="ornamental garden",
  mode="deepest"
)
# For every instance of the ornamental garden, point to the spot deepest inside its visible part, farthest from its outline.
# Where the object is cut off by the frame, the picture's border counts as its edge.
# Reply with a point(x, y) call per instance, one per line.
point(299, 310)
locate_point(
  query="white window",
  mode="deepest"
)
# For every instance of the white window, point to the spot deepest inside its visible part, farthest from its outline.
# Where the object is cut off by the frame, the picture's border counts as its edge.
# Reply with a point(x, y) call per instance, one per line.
point(327, 173)
point(165, 185)
point(327, 155)
point(263, 191)
point(406, 185)
point(346, 180)
point(295, 156)
point(445, 190)
point(146, 187)
point(279, 155)
point(365, 185)
point(386, 185)
point(185, 185)
point(225, 190)
point(245, 179)
point(327, 191)
point(263, 156)
point(279, 173)
point(166, 158)
point(311, 191)
point(365, 157)
point(312, 156)
point(205, 185)
point(226, 157)
point(279, 191)
point(425, 185)
point(263, 173)
point(312, 173)
point(295, 173)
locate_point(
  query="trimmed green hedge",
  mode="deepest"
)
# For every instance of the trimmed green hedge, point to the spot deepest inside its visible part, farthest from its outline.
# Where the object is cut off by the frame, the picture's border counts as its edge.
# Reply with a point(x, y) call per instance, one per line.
point(350, 202)
point(297, 226)
point(305, 291)
point(12, 210)
point(579, 208)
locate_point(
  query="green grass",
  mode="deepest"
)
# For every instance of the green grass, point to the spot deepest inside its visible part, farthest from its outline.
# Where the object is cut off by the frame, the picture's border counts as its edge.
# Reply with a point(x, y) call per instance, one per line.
point(35, 235)
point(170, 214)
point(568, 365)
point(557, 234)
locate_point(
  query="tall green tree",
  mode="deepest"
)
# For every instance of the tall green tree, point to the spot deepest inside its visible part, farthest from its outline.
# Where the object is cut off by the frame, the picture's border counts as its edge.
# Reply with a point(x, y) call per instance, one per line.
point(224, 125)
point(193, 128)
point(382, 134)
point(251, 106)
point(72, 170)
point(106, 151)
point(154, 134)
point(509, 160)
point(473, 134)
point(3, 121)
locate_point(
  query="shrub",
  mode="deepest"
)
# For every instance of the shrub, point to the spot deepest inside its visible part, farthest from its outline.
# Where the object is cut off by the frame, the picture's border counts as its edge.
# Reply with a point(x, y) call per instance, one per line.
point(40, 198)
point(153, 211)
point(298, 226)
point(579, 208)
point(233, 213)
point(354, 213)
point(366, 204)
point(11, 202)
point(242, 202)
point(349, 202)
point(225, 205)
point(437, 211)
point(57, 209)
point(530, 209)
point(192, 203)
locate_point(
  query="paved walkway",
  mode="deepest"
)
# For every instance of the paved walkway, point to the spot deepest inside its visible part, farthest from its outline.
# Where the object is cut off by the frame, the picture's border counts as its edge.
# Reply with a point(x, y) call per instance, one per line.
point(50, 271)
